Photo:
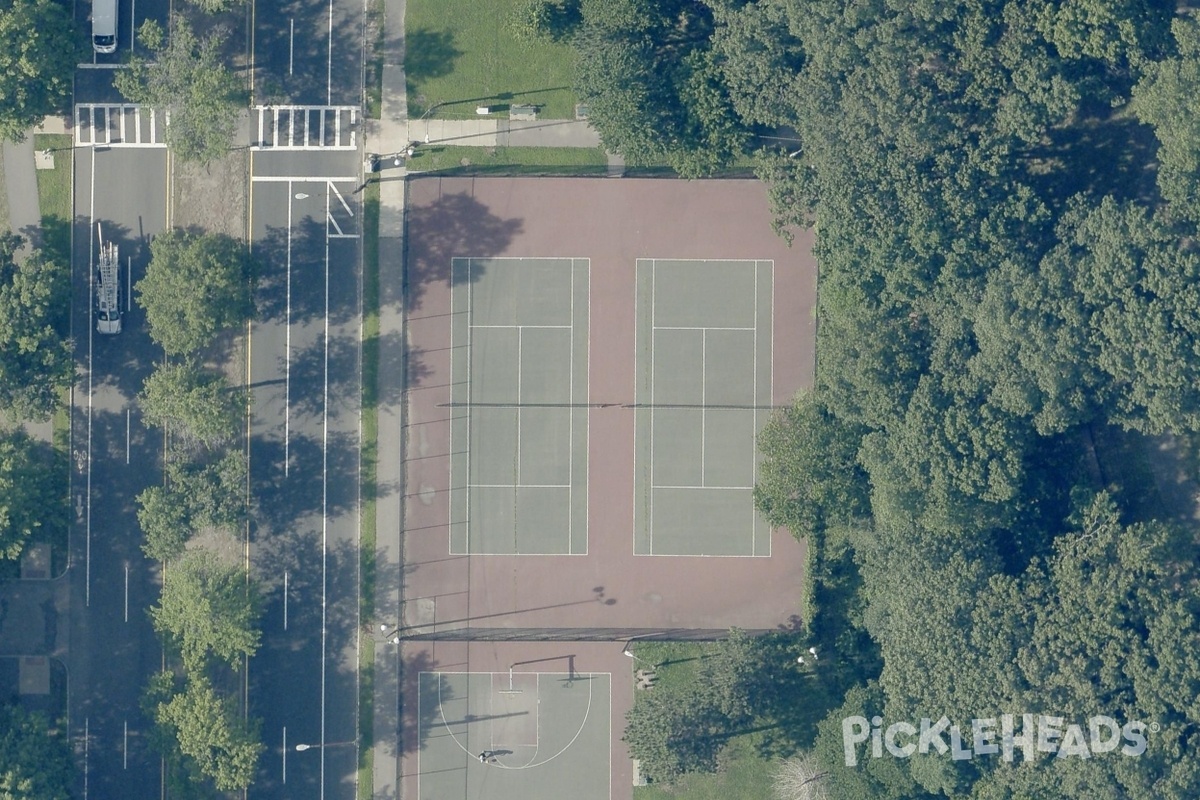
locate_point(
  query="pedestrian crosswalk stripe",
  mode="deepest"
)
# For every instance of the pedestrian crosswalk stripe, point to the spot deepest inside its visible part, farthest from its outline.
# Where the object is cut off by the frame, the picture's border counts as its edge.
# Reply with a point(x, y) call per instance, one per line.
point(306, 127)
point(119, 125)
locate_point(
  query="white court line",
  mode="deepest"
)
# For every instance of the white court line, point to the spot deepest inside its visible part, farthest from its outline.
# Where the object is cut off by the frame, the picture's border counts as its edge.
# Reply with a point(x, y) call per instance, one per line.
point(700, 328)
point(703, 400)
point(491, 677)
point(754, 412)
point(557, 327)
point(519, 485)
point(587, 434)
point(650, 519)
point(708, 488)
point(470, 350)
point(571, 419)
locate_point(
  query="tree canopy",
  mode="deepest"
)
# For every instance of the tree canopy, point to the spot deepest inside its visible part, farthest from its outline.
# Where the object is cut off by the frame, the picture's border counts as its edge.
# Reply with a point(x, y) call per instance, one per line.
point(186, 79)
point(195, 497)
point(212, 734)
point(208, 609)
point(197, 285)
point(30, 479)
point(37, 63)
point(35, 761)
point(35, 358)
point(189, 402)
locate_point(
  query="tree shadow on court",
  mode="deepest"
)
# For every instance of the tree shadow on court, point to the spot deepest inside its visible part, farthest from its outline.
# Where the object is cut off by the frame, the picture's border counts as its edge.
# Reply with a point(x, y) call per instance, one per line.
point(420, 707)
point(453, 226)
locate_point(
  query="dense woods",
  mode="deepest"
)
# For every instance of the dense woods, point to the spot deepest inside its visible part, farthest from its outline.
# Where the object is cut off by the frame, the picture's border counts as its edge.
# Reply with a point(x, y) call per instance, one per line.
point(1007, 394)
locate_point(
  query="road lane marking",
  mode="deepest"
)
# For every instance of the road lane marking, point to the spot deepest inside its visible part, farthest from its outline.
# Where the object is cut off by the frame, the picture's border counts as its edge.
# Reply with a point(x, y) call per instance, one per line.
point(91, 326)
point(128, 411)
point(287, 348)
point(125, 745)
point(304, 179)
point(325, 495)
point(285, 753)
point(285, 610)
point(127, 593)
point(329, 93)
point(291, 43)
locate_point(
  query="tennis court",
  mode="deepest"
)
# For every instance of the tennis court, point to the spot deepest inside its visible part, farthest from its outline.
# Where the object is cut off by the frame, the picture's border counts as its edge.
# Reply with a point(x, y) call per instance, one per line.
point(542, 735)
point(519, 395)
point(703, 391)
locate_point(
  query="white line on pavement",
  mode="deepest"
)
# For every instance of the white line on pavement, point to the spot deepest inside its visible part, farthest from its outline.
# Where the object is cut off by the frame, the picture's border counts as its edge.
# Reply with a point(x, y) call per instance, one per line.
point(305, 179)
point(287, 348)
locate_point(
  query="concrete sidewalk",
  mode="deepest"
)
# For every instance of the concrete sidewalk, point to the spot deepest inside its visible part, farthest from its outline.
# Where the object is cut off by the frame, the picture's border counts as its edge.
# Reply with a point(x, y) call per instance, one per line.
point(504, 133)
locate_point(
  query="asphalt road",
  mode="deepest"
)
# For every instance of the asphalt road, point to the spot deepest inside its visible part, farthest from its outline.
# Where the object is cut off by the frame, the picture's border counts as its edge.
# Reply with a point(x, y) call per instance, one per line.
point(308, 52)
point(130, 14)
point(305, 373)
point(113, 645)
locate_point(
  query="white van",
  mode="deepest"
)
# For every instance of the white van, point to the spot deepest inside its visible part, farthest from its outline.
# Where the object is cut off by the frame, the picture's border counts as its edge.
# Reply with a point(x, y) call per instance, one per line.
point(104, 26)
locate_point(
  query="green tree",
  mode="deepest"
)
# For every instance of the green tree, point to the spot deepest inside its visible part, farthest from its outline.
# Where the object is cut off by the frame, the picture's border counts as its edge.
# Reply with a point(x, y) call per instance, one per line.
point(195, 405)
point(208, 608)
point(187, 79)
point(810, 475)
point(35, 761)
point(30, 481)
point(197, 285)
point(196, 497)
point(1161, 100)
point(653, 90)
point(556, 20)
point(211, 732)
point(164, 523)
point(37, 63)
point(35, 360)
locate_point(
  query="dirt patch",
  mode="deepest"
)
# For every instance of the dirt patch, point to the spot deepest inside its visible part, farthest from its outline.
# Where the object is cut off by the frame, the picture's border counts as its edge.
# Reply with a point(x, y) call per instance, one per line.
point(212, 198)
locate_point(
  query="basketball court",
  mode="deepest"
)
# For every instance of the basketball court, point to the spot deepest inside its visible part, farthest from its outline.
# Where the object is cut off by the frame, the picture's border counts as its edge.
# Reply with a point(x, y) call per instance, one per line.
point(540, 735)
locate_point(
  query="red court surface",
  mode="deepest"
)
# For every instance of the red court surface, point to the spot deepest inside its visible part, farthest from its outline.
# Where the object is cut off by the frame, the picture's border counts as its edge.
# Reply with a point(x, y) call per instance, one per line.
point(610, 592)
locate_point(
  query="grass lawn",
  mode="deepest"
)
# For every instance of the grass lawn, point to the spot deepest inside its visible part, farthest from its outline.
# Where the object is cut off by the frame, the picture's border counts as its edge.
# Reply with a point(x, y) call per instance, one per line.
point(461, 53)
point(370, 434)
point(54, 195)
point(744, 775)
point(510, 160)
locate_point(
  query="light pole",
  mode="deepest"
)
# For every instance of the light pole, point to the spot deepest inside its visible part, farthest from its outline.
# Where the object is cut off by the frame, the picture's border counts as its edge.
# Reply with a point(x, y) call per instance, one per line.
point(629, 653)
point(389, 638)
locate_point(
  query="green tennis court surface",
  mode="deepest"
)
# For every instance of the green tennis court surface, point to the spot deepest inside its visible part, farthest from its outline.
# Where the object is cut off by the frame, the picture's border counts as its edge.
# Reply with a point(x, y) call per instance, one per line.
point(548, 734)
point(519, 366)
point(703, 391)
